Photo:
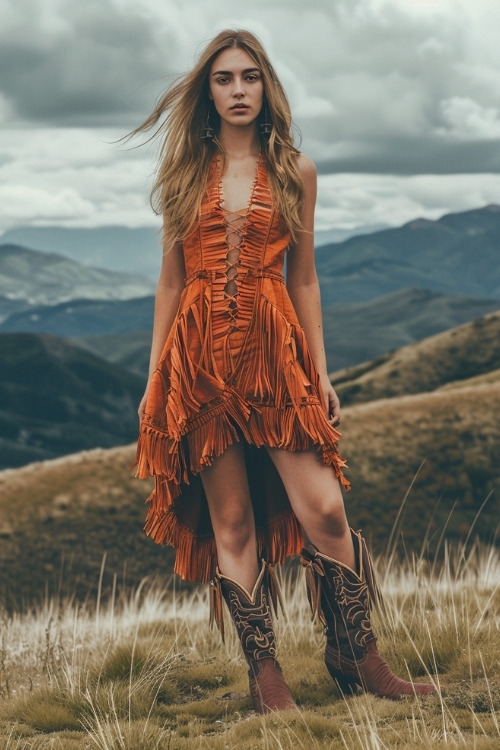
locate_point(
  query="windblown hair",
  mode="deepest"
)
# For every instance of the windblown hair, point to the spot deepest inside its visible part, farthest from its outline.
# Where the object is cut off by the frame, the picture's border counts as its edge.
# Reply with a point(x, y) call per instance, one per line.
point(184, 160)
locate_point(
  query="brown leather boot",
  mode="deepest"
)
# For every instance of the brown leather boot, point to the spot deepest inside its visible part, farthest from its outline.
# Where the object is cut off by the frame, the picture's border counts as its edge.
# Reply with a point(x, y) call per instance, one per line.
point(342, 598)
point(251, 614)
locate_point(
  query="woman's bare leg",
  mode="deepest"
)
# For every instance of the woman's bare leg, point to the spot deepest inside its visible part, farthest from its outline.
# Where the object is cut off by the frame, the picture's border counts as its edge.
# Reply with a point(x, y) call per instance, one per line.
point(231, 511)
point(316, 499)
point(228, 495)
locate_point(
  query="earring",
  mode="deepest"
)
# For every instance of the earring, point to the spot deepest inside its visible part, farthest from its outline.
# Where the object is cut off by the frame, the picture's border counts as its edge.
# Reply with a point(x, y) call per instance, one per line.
point(266, 126)
point(207, 133)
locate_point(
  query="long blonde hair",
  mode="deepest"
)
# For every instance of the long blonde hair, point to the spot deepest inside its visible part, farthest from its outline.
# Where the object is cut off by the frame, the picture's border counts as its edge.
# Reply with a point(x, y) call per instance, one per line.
point(184, 160)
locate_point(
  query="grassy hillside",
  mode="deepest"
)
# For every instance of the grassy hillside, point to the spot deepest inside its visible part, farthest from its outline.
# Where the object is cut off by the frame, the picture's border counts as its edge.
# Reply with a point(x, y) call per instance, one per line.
point(438, 433)
point(145, 672)
point(60, 518)
point(453, 356)
point(450, 439)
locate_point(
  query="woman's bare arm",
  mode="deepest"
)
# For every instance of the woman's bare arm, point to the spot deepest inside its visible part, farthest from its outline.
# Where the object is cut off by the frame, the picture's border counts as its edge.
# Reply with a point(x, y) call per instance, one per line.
point(168, 292)
point(303, 288)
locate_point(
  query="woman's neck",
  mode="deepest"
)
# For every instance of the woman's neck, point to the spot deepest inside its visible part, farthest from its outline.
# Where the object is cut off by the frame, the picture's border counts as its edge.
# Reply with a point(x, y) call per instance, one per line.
point(239, 143)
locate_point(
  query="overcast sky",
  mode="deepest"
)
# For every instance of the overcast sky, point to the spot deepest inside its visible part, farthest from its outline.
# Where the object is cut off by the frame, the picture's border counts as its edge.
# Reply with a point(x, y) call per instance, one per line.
point(398, 102)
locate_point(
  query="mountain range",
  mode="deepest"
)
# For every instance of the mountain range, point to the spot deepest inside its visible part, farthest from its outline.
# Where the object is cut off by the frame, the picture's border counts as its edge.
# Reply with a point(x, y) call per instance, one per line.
point(457, 254)
point(54, 396)
point(29, 278)
point(120, 331)
point(380, 291)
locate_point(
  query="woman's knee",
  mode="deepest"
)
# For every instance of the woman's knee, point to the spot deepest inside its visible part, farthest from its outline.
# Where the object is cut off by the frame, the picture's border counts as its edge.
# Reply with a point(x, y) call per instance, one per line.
point(328, 515)
point(234, 527)
point(234, 538)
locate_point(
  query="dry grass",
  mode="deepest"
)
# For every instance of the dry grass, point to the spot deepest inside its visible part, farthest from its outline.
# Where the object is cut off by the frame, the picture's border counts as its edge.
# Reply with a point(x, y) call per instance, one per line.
point(145, 671)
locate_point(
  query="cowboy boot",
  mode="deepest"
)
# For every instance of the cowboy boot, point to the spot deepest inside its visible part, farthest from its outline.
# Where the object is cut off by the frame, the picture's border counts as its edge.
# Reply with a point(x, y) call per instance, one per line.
point(251, 614)
point(342, 599)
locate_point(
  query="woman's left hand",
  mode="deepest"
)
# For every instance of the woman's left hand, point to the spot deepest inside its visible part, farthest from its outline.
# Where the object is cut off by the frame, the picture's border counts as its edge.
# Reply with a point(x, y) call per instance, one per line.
point(331, 401)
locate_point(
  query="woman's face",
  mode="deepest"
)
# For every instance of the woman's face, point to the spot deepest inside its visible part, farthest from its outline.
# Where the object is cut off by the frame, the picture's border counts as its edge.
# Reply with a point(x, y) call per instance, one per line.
point(236, 87)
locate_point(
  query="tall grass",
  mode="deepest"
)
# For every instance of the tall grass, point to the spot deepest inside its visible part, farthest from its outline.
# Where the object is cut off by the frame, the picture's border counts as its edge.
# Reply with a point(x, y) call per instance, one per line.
point(144, 670)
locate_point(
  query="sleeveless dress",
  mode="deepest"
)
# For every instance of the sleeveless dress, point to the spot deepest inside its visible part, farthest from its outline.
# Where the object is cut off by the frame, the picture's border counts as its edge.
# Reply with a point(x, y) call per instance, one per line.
point(235, 368)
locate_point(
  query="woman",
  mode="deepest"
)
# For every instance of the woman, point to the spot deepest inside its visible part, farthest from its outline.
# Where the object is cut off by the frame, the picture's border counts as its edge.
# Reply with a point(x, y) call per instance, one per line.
point(238, 420)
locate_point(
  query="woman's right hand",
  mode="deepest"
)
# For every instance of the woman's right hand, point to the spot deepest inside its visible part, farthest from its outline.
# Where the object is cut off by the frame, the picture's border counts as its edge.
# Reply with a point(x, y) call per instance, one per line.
point(142, 405)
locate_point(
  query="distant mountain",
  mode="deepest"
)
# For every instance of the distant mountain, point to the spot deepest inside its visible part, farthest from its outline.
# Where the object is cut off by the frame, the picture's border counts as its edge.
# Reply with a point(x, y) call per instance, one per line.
point(85, 317)
point(10, 306)
point(56, 398)
point(32, 278)
point(458, 254)
point(327, 236)
point(129, 350)
point(119, 249)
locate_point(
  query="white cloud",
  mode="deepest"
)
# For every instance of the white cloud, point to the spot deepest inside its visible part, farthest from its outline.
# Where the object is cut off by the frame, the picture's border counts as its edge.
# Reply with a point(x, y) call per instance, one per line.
point(34, 205)
point(465, 119)
point(347, 201)
point(73, 177)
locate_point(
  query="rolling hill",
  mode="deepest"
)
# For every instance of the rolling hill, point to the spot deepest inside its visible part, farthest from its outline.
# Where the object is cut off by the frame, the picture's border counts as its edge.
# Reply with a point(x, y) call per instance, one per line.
point(56, 398)
point(462, 353)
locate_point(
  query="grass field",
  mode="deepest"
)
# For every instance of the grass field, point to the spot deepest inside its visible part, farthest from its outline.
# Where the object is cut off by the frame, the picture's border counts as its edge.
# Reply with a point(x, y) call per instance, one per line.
point(144, 671)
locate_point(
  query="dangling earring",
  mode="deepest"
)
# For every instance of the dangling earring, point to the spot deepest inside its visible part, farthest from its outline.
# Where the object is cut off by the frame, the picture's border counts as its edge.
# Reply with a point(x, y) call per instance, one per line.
point(266, 126)
point(208, 133)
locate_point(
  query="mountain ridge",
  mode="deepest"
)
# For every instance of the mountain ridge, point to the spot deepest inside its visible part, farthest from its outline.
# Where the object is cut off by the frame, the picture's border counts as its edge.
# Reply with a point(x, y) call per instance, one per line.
point(36, 278)
point(455, 254)
point(57, 398)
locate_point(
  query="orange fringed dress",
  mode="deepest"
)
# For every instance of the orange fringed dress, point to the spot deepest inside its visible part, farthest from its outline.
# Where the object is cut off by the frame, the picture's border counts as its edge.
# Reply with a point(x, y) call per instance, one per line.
point(235, 367)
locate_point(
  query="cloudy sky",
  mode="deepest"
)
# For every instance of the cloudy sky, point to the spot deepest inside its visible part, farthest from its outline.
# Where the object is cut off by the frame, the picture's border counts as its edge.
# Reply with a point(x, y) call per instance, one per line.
point(398, 102)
